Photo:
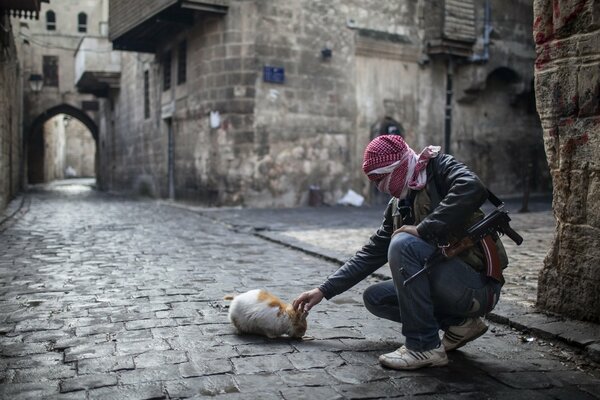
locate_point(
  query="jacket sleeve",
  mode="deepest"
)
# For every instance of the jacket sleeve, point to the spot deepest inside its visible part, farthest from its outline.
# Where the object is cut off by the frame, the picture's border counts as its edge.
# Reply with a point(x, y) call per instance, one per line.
point(461, 194)
point(371, 257)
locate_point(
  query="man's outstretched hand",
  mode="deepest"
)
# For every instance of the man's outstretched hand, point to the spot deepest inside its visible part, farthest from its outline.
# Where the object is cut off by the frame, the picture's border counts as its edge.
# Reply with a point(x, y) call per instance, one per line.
point(307, 300)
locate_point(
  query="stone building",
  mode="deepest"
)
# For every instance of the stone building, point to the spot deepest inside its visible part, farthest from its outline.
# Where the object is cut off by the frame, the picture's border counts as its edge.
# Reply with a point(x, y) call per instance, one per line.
point(47, 49)
point(252, 102)
point(567, 38)
point(11, 79)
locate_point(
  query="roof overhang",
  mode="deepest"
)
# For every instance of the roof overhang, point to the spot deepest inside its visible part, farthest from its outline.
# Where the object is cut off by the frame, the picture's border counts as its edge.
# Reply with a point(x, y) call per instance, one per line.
point(142, 32)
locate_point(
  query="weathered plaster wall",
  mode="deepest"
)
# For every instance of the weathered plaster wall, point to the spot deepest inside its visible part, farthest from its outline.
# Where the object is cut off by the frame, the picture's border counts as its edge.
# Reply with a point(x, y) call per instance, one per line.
point(80, 152)
point(567, 83)
point(54, 149)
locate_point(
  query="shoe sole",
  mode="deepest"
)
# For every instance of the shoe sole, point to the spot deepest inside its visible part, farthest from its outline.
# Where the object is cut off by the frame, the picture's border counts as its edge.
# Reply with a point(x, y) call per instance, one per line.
point(464, 342)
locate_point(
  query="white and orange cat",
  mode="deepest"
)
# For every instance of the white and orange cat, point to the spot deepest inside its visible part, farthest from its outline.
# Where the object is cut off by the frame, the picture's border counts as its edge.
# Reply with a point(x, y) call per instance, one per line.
point(262, 313)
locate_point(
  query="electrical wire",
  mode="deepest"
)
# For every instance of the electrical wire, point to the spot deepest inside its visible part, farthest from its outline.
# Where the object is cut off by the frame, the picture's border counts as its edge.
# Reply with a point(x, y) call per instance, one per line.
point(52, 46)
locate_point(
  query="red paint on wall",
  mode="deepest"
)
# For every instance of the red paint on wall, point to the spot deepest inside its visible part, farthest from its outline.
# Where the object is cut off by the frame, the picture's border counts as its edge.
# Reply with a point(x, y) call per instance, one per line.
point(578, 9)
point(571, 144)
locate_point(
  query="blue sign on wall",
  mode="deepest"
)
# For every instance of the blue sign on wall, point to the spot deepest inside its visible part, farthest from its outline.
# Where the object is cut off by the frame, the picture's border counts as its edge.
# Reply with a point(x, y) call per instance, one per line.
point(273, 74)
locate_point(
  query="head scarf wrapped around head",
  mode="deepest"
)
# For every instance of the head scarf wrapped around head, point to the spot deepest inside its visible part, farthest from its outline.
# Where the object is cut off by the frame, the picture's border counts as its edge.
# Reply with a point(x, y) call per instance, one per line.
point(395, 167)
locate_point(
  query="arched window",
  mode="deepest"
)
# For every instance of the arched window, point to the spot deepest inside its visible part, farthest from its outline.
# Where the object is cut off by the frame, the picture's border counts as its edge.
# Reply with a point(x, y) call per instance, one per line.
point(82, 22)
point(50, 20)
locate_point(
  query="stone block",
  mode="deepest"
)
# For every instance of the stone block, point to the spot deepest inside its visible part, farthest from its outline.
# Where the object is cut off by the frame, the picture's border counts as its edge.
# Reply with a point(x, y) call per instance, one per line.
point(87, 382)
point(258, 364)
point(309, 393)
point(147, 375)
point(152, 390)
point(556, 92)
point(593, 352)
point(525, 379)
point(104, 364)
point(202, 386)
point(593, 199)
point(589, 90)
point(569, 281)
point(570, 193)
point(589, 45)
point(89, 350)
point(572, 17)
point(214, 367)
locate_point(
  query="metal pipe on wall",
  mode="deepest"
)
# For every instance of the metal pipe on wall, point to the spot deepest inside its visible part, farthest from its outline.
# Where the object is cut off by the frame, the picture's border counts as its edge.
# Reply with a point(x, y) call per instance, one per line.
point(448, 108)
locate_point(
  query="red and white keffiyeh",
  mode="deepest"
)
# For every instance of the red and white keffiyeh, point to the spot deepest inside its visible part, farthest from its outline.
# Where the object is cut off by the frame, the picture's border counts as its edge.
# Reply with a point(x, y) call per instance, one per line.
point(395, 167)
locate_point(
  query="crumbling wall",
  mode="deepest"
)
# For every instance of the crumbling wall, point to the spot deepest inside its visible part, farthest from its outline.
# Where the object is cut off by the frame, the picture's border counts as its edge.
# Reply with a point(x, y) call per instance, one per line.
point(567, 85)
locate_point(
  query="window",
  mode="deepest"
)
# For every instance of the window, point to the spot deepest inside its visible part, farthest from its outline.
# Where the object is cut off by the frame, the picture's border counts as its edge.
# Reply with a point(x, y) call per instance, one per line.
point(167, 71)
point(82, 22)
point(50, 20)
point(146, 94)
point(50, 70)
point(182, 63)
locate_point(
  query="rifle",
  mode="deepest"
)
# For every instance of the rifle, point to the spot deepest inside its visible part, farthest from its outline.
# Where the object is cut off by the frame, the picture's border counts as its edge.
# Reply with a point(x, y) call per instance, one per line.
point(497, 222)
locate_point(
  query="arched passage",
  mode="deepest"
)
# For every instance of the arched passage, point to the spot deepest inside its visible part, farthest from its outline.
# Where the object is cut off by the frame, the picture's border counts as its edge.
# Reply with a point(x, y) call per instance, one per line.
point(36, 147)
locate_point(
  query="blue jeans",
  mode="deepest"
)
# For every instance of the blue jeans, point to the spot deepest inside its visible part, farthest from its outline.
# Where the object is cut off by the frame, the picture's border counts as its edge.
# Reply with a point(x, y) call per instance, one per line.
point(449, 293)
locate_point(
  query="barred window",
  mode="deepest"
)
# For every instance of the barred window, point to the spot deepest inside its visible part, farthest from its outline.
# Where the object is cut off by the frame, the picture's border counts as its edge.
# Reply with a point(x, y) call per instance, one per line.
point(167, 70)
point(82, 22)
point(50, 20)
point(182, 63)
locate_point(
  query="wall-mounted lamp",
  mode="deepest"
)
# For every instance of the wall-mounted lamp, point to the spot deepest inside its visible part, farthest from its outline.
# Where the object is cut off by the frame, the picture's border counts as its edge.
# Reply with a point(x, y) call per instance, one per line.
point(36, 82)
point(66, 120)
point(326, 53)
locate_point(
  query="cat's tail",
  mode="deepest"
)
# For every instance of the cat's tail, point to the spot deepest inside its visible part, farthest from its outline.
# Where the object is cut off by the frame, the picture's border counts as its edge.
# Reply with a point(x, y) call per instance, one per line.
point(228, 297)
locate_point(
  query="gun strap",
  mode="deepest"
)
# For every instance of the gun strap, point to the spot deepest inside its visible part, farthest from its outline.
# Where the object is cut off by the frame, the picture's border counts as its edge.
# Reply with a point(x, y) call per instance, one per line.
point(493, 199)
point(492, 260)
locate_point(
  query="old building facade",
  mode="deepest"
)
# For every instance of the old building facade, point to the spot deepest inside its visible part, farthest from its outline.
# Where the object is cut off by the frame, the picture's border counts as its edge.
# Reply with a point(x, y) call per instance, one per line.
point(251, 103)
point(47, 50)
point(567, 39)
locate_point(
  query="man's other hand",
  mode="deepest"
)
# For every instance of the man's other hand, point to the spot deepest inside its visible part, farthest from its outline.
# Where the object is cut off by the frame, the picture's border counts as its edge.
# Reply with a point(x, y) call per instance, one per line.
point(411, 229)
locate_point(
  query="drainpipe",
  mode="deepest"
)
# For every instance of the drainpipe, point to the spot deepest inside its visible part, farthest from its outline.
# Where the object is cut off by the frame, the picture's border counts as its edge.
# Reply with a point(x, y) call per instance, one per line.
point(487, 30)
point(448, 108)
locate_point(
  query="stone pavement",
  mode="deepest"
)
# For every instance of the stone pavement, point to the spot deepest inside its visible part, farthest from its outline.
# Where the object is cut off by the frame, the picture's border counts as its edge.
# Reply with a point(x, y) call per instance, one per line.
point(105, 297)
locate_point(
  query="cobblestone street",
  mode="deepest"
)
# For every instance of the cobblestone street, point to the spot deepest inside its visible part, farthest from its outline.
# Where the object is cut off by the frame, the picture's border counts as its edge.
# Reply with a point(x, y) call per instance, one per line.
point(106, 297)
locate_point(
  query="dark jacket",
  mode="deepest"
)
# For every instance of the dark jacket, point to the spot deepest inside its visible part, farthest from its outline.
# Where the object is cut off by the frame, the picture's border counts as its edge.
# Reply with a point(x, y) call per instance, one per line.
point(460, 192)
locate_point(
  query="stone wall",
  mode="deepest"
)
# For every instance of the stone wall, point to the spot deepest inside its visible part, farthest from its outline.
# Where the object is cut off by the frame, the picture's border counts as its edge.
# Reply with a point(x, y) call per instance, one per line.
point(567, 82)
point(346, 65)
point(10, 112)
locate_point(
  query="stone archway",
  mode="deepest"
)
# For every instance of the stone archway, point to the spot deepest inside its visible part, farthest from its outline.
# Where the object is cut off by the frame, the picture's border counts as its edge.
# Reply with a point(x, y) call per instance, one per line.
point(35, 151)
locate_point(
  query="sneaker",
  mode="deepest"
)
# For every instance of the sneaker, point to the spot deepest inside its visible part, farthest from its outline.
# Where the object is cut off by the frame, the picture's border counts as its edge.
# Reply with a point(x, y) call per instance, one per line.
point(459, 335)
point(404, 358)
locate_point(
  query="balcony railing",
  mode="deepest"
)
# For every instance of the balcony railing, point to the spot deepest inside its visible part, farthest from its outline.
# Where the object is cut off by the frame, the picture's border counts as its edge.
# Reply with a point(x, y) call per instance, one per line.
point(22, 8)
